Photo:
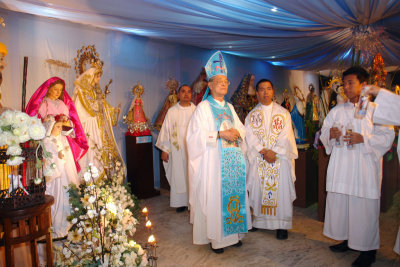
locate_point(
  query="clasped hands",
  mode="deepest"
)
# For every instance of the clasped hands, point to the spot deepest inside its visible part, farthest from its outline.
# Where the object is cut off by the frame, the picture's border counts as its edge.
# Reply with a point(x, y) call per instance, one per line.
point(268, 155)
point(350, 138)
point(230, 135)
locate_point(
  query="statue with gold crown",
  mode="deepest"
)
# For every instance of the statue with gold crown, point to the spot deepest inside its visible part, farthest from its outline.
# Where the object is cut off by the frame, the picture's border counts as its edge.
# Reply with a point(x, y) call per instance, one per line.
point(138, 124)
point(98, 118)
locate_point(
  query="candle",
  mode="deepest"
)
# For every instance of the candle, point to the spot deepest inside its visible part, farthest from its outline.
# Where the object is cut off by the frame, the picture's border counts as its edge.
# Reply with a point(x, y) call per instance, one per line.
point(148, 224)
point(151, 240)
point(145, 211)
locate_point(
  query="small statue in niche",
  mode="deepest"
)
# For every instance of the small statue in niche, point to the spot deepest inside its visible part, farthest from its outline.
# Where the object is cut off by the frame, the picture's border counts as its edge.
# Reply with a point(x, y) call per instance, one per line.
point(244, 99)
point(286, 100)
point(170, 101)
point(138, 124)
point(199, 87)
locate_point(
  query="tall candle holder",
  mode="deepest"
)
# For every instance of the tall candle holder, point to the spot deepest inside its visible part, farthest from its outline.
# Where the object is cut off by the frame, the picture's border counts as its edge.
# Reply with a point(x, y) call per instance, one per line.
point(151, 244)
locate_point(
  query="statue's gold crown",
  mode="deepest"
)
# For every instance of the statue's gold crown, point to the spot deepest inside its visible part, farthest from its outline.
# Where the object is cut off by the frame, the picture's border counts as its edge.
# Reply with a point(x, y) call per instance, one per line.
point(98, 64)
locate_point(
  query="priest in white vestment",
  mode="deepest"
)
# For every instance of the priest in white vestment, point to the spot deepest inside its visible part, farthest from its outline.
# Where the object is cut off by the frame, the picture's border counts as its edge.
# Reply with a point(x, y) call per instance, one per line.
point(172, 142)
point(271, 151)
point(217, 174)
point(387, 112)
point(354, 172)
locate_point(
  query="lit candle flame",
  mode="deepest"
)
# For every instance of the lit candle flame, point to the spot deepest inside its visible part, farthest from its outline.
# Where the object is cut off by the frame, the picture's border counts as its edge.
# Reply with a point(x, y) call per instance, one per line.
point(151, 239)
point(148, 224)
point(144, 210)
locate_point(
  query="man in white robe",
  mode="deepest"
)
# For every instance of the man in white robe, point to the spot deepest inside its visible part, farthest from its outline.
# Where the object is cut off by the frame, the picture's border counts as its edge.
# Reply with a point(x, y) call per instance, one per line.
point(209, 168)
point(354, 173)
point(271, 150)
point(387, 112)
point(172, 142)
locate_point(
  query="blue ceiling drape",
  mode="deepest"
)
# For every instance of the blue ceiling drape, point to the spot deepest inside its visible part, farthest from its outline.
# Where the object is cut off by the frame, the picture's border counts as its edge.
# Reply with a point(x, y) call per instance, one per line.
point(297, 34)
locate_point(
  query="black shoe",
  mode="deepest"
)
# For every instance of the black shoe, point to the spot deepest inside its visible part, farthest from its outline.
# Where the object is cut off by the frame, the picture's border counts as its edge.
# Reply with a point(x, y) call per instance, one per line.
point(238, 244)
point(365, 259)
point(281, 234)
point(181, 209)
point(341, 247)
point(217, 250)
point(253, 229)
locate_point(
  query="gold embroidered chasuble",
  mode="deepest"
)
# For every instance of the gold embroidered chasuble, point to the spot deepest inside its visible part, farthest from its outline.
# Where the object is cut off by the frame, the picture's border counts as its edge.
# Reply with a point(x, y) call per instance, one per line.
point(267, 136)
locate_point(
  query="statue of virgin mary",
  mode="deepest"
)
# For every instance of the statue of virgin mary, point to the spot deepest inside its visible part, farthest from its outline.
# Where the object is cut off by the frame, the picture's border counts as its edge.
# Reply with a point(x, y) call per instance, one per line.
point(98, 118)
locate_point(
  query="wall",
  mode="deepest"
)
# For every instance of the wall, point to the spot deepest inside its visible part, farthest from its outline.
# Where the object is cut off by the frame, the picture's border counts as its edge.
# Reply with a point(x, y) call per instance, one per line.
point(128, 59)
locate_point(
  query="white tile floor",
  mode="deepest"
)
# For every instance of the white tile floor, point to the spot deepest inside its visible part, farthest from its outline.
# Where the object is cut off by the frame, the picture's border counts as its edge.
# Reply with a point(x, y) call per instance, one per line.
point(306, 245)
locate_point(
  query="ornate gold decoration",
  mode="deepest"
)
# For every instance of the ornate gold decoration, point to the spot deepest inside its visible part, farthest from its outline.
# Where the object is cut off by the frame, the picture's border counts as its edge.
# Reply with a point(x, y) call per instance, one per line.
point(233, 208)
point(172, 85)
point(2, 22)
point(58, 63)
point(87, 55)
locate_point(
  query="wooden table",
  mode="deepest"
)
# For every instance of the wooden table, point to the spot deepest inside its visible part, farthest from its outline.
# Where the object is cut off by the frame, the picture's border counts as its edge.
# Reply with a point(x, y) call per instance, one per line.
point(27, 225)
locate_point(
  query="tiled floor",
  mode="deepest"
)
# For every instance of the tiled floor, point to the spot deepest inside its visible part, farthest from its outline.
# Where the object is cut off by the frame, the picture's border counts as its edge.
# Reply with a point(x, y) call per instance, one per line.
point(306, 245)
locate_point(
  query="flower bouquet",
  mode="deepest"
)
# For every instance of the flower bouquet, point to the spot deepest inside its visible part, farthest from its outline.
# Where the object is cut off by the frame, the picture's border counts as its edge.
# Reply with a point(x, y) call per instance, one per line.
point(17, 128)
point(102, 225)
point(25, 186)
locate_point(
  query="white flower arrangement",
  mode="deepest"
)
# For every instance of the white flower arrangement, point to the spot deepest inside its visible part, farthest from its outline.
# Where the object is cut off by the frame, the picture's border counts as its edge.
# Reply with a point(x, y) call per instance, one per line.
point(102, 225)
point(16, 128)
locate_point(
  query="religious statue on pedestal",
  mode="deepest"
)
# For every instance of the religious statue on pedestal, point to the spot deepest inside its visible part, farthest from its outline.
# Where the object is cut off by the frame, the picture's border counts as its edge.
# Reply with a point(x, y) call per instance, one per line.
point(98, 118)
point(138, 124)
point(170, 101)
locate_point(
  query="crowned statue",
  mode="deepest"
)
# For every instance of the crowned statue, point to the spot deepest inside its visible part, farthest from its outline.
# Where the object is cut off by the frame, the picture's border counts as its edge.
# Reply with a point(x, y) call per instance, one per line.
point(138, 124)
point(170, 101)
point(244, 98)
point(98, 118)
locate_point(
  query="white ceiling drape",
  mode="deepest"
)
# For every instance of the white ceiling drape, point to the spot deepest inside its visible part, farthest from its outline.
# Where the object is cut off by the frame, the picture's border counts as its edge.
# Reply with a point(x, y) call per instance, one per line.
point(306, 34)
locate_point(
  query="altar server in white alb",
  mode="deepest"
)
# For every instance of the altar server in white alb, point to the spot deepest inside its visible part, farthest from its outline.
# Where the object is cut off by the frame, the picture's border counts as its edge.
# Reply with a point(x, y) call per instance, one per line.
point(354, 172)
point(172, 142)
point(387, 112)
point(271, 150)
point(217, 173)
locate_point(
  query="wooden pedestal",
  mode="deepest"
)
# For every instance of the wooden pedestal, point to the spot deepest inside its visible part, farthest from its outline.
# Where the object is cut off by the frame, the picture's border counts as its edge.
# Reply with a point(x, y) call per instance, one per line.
point(139, 162)
point(306, 179)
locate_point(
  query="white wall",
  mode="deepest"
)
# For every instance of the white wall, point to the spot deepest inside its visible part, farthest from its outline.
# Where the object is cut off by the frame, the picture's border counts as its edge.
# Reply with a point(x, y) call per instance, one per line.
point(128, 59)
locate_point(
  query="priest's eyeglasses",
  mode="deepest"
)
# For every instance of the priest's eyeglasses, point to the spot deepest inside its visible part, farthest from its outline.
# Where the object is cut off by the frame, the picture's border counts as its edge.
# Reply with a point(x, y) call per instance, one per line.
point(222, 82)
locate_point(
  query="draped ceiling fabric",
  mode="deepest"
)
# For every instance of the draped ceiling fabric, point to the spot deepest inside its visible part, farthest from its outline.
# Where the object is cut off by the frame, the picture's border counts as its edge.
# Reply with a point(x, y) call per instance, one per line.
point(306, 34)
